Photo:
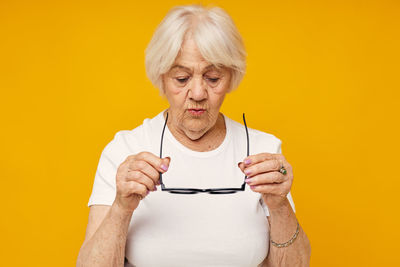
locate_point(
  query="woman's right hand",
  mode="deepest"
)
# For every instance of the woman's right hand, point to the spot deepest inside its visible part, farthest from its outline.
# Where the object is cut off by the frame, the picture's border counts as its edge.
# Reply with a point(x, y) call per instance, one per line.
point(136, 176)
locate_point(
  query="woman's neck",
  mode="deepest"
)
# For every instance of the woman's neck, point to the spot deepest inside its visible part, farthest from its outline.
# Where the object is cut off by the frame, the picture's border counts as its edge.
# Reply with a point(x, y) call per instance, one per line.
point(210, 140)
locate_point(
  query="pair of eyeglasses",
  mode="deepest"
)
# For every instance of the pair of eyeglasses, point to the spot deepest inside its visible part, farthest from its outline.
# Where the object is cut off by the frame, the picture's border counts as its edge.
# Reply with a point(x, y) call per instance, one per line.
point(197, 190)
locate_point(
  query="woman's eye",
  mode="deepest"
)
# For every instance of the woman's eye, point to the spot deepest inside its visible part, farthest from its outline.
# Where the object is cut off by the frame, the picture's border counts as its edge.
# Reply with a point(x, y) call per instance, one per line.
point(213, 80)
point(182, 80)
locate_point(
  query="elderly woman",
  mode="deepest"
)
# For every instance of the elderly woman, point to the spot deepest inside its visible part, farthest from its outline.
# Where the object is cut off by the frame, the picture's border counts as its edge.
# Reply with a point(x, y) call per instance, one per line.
point(223, 196)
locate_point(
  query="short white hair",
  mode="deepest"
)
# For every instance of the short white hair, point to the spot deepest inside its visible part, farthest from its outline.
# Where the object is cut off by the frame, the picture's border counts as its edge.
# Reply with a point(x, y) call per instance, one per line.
point(214, 33)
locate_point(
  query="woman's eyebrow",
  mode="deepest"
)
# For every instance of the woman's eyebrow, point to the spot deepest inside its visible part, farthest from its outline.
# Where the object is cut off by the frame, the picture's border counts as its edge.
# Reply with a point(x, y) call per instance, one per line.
point(179, 67)
point(211, 66)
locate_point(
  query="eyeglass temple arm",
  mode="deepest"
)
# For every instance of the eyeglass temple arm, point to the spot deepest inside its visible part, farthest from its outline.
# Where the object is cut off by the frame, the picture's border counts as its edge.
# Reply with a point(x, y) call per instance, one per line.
point(162, 137)
point(248, 147)
point(247, 135)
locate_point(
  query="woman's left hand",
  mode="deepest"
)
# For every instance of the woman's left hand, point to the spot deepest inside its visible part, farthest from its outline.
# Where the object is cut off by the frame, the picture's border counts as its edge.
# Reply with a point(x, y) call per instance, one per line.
point(264, 177)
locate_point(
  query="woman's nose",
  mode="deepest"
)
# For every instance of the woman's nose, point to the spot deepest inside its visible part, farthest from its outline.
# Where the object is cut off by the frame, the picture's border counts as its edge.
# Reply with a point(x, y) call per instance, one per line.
point(198, 89)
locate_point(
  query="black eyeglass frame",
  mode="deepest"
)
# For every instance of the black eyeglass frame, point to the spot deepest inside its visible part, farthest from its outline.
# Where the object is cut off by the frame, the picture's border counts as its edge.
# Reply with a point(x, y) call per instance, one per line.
point(197, 190)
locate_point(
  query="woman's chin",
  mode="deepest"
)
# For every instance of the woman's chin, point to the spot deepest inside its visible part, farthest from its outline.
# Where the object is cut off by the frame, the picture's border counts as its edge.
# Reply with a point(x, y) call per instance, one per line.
point(195, 130)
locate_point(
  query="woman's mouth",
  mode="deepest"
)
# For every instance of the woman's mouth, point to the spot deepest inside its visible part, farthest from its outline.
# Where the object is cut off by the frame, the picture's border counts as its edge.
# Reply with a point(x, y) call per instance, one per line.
point(196, 111)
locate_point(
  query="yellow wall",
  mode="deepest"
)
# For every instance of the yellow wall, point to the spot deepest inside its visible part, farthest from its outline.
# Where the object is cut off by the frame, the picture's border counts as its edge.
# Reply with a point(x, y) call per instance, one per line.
point(323, 76)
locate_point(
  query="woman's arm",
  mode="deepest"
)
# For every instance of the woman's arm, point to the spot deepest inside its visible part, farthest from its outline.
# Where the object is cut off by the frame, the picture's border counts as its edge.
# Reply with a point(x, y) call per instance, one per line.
point(283, 225)
point(104, 244)
point(271, 175)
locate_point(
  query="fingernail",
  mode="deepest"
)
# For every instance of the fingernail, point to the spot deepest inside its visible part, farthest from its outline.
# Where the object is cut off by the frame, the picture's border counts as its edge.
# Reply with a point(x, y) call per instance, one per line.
point(147, 192)
point(248, 180)
point(239, 164)
point(247, 161)
point(252, 186)
point(247, 172)
point(165, 168)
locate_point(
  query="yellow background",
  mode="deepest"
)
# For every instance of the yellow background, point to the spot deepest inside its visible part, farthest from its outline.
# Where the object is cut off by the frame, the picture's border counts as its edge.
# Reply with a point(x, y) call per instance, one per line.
point(323, 76)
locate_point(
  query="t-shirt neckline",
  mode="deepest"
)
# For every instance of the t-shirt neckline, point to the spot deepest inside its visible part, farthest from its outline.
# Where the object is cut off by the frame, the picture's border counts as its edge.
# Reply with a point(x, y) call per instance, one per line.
point(199, 154)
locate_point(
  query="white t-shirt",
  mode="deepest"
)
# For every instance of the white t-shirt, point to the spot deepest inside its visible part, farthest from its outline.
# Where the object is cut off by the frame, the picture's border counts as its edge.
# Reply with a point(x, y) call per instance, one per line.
point(198, 229)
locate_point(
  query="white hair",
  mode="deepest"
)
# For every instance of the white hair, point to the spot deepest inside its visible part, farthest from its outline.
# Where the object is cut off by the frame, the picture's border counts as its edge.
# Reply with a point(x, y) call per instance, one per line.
point(214, 33)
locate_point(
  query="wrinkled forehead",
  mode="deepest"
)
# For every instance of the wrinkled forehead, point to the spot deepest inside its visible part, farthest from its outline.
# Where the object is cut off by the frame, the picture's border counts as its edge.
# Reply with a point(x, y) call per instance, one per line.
point(207, 67)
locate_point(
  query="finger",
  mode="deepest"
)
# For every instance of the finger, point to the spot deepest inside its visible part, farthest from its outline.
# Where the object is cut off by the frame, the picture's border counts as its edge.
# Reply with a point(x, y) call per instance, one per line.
point(146, 168)
point(161, 165)
point(267, 178)
point(135, 188)
point(241, 166)
point(262, 167)
point(275, 189)
point(166, 161)
point(254, 159)
point(139, 177)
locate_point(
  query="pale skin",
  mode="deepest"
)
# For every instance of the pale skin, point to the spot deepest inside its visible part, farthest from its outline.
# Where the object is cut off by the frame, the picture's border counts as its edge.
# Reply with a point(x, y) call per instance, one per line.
point(192, 83)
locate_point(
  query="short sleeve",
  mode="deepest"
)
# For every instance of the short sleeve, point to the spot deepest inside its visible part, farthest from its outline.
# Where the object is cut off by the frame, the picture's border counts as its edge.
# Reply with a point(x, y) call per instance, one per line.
point(289, 195)
point(114, 153)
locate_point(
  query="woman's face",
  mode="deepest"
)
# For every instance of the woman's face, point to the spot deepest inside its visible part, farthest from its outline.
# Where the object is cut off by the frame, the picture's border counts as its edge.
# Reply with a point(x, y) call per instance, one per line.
point(195, 90)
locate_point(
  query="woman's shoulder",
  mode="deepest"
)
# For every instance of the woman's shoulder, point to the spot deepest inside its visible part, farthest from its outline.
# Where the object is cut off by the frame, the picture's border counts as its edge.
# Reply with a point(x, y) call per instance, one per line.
point(259, 140)
point(138, 138)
